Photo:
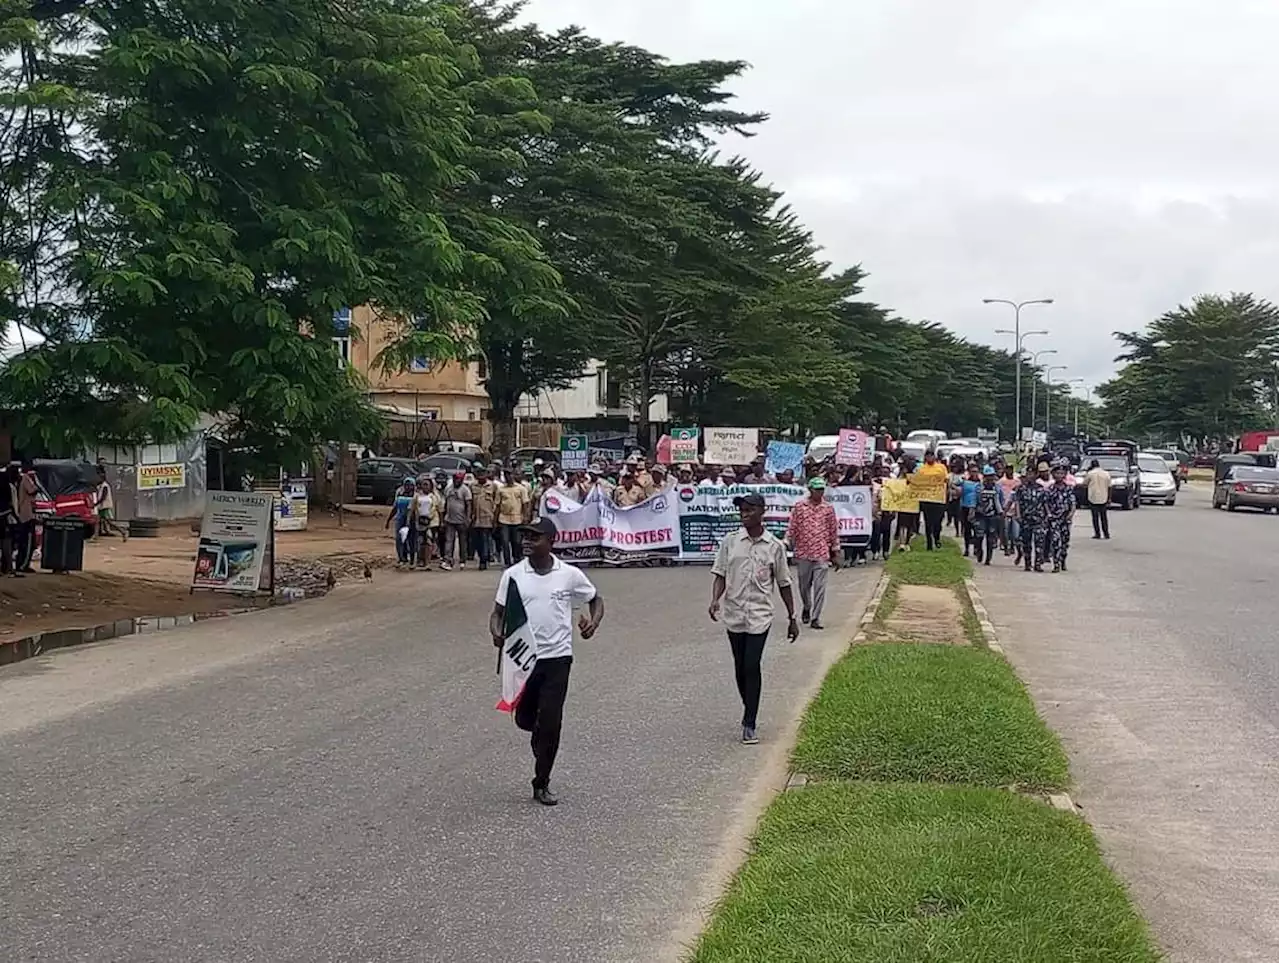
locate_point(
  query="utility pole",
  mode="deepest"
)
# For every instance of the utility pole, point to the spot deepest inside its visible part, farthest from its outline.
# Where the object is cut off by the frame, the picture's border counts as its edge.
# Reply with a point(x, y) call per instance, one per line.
point(1048, 395)
point(1035, 361)
point(1017, 358)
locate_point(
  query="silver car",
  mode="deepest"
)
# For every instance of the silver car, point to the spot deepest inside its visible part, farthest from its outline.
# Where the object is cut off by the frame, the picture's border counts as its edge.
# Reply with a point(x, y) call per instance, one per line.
point(1155, 481)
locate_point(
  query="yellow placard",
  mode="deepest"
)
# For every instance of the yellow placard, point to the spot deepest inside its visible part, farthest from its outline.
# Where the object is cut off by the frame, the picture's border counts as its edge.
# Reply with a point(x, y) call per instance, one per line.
point(896, 496)
point(929, 486)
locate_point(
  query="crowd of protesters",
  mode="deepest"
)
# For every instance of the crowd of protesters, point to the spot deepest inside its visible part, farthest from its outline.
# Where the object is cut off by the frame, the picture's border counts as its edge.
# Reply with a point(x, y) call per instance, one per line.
point(450, 521)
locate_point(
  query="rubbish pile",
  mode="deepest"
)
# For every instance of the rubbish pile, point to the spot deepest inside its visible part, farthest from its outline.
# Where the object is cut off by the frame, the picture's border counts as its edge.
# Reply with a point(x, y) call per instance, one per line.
point(312, 576)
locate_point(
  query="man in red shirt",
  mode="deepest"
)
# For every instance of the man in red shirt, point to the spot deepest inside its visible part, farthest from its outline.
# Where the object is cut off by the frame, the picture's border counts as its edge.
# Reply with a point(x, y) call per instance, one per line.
point(814, 535)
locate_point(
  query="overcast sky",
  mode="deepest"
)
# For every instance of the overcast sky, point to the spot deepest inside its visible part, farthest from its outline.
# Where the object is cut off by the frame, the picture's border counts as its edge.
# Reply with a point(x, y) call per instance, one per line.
point(1119, 156)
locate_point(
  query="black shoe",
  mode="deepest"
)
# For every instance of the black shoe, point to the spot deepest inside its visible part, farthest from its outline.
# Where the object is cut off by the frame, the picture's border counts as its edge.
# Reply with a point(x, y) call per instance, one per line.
point(1056, 568)
point(545, 797)
point(1097, 536)
point(804, 616)
point(749, 737)
point(1107, 537)
point(987, 562)
point(1064, 566)
point(815, 624)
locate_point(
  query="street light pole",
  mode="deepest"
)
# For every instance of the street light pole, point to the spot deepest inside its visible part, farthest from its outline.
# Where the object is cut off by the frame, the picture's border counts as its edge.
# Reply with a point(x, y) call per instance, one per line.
point(1035, 360)
point(1048, 395)
point(1017, 360)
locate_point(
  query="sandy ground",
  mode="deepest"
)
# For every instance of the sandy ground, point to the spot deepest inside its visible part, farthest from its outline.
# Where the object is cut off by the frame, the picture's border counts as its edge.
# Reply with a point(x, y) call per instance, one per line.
point(151, 576)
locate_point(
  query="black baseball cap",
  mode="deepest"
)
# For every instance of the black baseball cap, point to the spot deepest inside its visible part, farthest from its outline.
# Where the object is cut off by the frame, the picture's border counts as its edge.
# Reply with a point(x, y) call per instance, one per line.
point(755, 500)
point(541, 526)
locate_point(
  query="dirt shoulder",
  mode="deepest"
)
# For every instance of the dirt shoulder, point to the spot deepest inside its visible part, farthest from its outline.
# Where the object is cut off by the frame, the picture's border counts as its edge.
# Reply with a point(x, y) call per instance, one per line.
point(151, 576)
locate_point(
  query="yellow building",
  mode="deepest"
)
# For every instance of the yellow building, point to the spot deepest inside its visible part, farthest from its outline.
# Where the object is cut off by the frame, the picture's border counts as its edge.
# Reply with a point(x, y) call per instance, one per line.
point(451, 392)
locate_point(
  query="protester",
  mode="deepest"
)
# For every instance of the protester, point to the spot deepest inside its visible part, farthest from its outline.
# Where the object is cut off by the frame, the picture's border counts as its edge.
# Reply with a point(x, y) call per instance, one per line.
point(105, 505)
point(660, 482)
point(969, 489)
point(908, 523)
point(881, 521)
point(430, 510)
point(814, 535)
point(629, 492)
point(1060, 506)
point(756, 475)
point(1007, 483)
point(1098, 489)
point(955, 480)
point(986, 517)
point(933, 474)
point(748, 564)
point(401, 514)
point(513, 502)
point(548, 590)
point(1029, 509)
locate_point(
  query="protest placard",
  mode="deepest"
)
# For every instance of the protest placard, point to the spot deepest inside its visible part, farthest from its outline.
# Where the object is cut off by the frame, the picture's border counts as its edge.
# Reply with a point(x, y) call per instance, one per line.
point(731, 446)
point(854, 447)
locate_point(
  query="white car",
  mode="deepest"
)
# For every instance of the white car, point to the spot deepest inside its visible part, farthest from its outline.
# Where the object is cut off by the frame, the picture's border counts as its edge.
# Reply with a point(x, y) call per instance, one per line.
point(926, 438)
point(822, 446)
point(1155, 480)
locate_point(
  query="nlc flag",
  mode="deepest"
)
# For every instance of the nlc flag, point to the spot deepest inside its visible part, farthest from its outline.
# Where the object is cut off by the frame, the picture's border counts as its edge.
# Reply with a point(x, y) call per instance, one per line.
point(518, 655)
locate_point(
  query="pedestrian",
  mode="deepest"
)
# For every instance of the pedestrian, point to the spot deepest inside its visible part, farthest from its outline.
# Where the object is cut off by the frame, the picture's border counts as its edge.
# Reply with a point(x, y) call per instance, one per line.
point(429, 508)
point(814, 534)
point(932, 477)
point(969, 489)
point(548, 590)
point(908, 521)
point(26, 490)
point(629, 492)
point(749, 563)
point(1060, 507)
point(401, 509)
point(457, 516)
point(513, 499)
point(8, 518)
point(986, 517)
point(881, 521)
point(756, 475)
point(955, 479)
point(105, 505)
point(484, 515)
point(1098, 488)
point(1007, 483)
point(1028, 499)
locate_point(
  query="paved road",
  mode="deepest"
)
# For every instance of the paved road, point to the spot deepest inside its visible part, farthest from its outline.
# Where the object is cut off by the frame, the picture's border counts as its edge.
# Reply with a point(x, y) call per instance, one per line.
point(1155, 659)
point(329, 782)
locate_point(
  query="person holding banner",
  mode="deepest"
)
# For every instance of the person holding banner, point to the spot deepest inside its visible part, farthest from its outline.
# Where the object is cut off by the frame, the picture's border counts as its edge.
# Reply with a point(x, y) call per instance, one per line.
point(930, 485)
point(532, 622)
point(749, 563)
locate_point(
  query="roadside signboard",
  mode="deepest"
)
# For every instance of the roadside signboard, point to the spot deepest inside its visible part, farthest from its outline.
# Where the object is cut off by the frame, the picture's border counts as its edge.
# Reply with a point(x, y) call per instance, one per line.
point(235, 542)
point(574, 454)
point(152, 477)
point(684, 445)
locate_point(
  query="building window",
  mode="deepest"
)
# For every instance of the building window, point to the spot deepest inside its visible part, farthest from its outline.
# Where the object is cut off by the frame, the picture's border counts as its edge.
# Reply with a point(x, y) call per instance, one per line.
point(419, 366)
point(473, 415)
point(482, 368)
point(342, 321)
point(430, 414)
point(343, 346)
point(602, 387)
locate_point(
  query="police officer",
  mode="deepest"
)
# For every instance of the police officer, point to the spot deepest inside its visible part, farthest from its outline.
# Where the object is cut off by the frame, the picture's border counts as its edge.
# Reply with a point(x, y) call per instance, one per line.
point(1029, 508)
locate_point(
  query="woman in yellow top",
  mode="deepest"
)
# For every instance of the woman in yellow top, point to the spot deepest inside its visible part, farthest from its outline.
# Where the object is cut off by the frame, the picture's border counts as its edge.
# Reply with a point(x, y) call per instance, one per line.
point(930, 482)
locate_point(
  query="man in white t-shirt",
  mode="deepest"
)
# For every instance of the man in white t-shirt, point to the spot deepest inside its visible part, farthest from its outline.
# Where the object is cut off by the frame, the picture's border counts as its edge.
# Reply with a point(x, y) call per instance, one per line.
point(549, 590)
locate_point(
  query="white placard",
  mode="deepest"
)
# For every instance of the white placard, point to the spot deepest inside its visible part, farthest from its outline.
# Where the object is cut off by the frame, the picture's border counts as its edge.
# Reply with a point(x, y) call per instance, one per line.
point(730, 446)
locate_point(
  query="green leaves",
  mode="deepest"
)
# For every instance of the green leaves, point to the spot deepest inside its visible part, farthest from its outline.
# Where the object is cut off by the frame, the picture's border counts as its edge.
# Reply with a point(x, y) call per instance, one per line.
point(1207, 372)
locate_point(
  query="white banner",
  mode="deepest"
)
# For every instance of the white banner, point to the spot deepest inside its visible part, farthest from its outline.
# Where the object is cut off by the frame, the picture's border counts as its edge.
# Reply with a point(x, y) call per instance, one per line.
point(730, 446)
point(686, 523)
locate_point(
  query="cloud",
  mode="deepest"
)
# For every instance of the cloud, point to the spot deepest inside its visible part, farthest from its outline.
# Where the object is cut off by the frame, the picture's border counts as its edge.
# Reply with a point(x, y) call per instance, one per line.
point(1118, 156)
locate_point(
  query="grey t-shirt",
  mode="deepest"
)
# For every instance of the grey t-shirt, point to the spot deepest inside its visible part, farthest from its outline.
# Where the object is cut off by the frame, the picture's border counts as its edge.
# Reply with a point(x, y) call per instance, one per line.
point(457, 505)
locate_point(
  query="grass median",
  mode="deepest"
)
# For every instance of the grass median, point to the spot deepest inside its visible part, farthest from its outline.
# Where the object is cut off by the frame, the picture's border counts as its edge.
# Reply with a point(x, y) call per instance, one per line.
point(916, 713)
point(945, 566)
point(890, 873)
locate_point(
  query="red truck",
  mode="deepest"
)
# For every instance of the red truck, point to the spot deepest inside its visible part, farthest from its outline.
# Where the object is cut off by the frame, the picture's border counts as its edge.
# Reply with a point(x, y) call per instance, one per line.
point(1259, 440)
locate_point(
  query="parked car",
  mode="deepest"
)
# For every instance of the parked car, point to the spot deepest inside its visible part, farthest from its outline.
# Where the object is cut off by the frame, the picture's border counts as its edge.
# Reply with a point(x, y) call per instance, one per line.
point(822, 447)
point(1157, 480)
point(1203, 459)
point(523, 458)
point(447, 462)
point(1126, 479)
point(468, 448)
point(928, 438)
point(379, 478)
point(1247, 486)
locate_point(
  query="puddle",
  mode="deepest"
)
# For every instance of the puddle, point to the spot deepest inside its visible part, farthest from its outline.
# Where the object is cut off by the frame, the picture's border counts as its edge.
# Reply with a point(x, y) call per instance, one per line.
point(41, 642)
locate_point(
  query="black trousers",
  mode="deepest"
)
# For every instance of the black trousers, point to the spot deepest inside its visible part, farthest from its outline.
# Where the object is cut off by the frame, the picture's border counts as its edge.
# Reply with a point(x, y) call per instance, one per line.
point(540, 713)
point(512, 547)
point(748, 649)
point(882, 534)
point(23, 536)
point(1101, 526)
point(934, 513)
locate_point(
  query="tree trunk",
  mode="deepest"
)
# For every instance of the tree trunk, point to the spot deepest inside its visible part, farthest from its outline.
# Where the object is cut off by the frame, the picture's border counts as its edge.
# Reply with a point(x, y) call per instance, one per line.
point(502, 418)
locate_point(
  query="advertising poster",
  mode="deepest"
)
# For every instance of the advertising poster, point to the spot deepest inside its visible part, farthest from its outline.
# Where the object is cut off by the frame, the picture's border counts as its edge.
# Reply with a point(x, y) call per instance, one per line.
point(153, 477)
point(291, 508)
point(731, 446)
point(235, 538)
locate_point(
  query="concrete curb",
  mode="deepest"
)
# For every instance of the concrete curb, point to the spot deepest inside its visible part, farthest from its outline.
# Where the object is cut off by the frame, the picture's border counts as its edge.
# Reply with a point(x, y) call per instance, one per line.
point(984, 617)
point(869, 615)
point(1058, 800)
